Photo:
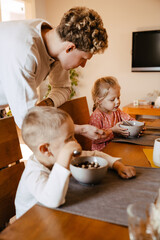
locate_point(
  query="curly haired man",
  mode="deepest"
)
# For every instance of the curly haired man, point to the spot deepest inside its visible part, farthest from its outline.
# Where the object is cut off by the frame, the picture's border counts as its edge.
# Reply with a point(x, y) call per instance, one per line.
point(31, 50)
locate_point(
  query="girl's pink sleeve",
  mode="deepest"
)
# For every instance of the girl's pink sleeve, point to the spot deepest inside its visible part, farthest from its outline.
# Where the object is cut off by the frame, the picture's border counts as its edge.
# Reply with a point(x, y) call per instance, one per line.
point(97, 121)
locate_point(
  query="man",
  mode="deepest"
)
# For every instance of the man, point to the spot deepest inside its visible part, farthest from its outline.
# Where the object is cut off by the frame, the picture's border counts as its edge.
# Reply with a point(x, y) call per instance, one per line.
point(30, 50)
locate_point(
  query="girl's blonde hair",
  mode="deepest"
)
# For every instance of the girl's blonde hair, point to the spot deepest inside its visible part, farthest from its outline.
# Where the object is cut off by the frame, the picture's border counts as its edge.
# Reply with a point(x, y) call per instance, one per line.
point(101, 88)
point(41, 125)
point(83, 27)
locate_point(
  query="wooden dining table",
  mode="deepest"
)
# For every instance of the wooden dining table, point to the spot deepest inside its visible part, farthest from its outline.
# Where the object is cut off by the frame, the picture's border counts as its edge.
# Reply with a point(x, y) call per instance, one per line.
point(44, 223)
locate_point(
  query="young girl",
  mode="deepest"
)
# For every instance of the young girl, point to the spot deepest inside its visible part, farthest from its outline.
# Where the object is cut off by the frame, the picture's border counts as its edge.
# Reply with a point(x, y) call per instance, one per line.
point(107, 115)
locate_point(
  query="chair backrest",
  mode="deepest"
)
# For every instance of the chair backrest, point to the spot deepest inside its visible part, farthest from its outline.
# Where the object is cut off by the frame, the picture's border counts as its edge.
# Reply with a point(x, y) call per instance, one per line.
point(78, 110)
point(10, 168)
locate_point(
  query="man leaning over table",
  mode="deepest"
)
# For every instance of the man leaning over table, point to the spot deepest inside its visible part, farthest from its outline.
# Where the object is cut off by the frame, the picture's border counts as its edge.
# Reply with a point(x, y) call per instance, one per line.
point(31, 50)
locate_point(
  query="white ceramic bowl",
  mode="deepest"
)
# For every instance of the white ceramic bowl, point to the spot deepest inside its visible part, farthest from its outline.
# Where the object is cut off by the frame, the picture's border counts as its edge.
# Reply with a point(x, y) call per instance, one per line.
point(134, 129)
point(89, 175)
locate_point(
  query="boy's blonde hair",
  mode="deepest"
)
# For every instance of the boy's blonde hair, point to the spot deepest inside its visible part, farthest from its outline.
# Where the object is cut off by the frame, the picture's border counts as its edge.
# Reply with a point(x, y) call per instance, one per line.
point(101, 88)
point(83, 27)
point(41, 125)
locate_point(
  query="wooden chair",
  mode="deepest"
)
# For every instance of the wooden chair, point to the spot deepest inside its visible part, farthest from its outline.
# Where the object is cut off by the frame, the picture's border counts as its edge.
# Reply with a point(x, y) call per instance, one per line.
point(78, 110)
point(10, 168)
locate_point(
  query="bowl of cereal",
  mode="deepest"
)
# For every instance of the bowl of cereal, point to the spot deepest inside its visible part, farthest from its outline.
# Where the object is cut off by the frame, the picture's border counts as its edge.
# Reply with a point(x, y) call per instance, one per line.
point(134, 128)
point(89, 170)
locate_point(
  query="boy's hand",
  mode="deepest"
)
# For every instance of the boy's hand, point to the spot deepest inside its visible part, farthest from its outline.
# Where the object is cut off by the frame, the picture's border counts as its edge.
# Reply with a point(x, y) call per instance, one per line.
point(127, 172)
point(124, 171)
point(119, 130)
point(65, 155)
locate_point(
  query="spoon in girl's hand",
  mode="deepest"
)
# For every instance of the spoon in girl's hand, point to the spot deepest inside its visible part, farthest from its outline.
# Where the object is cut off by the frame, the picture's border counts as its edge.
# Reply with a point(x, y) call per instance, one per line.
point(129, 124)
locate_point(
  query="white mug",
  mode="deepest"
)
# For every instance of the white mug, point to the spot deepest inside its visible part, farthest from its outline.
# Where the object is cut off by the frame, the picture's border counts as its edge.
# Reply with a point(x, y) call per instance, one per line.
point(157, 102)
point(156, 152)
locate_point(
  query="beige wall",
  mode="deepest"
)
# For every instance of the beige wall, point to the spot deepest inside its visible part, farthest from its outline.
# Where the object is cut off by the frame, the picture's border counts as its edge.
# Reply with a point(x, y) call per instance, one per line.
point(120, 18)
point(40, 9)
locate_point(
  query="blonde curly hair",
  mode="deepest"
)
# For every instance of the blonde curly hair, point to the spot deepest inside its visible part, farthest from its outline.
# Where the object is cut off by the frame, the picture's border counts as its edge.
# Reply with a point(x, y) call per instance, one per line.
point(101, 89)
point(83, 27)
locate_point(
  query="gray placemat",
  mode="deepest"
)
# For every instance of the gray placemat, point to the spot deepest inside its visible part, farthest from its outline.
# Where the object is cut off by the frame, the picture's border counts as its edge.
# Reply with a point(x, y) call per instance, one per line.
point(152, 127)
point(152, 132)
point(145, 140)
point(108, 200)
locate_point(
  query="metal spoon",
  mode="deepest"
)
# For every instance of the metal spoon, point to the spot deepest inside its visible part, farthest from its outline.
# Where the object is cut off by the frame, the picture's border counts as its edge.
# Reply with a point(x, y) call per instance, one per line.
point(76, 153)
point(129, 124)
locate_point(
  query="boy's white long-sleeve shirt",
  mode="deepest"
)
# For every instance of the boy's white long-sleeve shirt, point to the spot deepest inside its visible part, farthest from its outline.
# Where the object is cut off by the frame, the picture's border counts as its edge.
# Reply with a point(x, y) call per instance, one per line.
point(48, 187)
point(24, 64)
point(39, 184)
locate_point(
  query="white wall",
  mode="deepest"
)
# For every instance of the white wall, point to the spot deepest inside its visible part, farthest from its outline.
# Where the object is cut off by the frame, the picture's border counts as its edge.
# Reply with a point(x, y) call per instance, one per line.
point(120, 18)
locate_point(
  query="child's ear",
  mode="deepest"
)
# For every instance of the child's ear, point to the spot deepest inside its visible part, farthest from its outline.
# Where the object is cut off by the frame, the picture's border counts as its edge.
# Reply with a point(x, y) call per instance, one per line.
point(71, 46)
point(44, 149)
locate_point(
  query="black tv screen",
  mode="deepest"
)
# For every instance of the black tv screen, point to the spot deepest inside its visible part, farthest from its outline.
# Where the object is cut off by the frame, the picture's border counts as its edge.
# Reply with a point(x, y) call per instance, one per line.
point(146, 51)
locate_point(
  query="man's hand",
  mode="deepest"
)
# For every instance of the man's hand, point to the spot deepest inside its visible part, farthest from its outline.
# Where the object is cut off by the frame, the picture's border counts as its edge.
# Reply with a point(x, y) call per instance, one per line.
point(90, 131)
point(46, 102)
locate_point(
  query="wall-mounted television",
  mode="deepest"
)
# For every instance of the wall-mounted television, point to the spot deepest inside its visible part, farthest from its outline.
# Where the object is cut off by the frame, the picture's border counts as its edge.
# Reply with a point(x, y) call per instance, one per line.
point(146, 51)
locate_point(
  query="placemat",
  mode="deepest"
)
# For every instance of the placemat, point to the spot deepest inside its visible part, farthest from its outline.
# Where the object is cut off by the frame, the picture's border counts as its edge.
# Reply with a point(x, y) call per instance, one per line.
point(108, 200)
point(152, 127)
point(146, 140)
point(152, 131)
point(149, 155)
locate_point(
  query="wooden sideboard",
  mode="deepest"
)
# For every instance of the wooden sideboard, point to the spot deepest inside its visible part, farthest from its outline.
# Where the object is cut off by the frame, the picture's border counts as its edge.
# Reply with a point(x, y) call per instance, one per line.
point(134, 111)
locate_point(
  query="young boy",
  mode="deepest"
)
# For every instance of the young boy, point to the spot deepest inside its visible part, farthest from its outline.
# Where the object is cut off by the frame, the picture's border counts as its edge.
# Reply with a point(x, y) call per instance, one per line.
point(49, 133)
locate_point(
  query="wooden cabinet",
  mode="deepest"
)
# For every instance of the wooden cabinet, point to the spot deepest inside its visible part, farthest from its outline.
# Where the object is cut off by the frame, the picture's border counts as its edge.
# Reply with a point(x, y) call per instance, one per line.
point(134, 111)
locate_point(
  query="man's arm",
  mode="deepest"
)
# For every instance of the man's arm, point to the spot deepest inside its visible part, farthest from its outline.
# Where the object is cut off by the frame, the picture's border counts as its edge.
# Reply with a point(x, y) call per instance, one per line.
point(46, 102)
point(59, 95)
point(60, 84)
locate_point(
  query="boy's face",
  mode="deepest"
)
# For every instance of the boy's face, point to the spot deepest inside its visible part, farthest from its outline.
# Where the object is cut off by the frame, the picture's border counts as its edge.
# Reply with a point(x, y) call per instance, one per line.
point(73, 58)
point(112, 101)
point(65, 134)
